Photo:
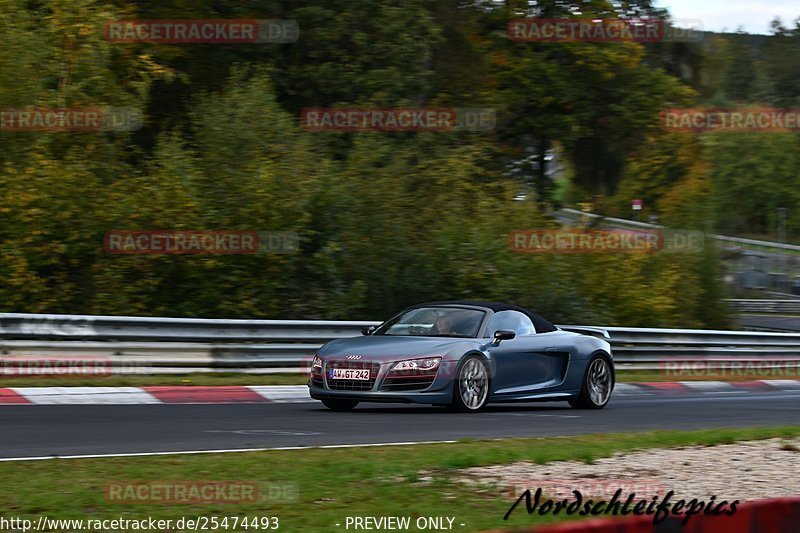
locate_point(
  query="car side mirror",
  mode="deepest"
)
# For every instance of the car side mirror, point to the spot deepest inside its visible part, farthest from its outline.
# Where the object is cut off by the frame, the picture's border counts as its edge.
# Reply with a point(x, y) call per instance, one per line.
point(368, 330)
point(504, 335)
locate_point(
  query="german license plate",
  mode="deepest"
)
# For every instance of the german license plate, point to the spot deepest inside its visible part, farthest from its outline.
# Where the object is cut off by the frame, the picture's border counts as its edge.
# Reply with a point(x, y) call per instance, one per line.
point(349, 373)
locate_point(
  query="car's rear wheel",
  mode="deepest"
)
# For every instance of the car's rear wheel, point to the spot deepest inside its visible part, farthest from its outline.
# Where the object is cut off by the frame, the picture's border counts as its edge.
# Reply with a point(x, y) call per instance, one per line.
point(471, 389)
point(598, 382)
point(340, 405)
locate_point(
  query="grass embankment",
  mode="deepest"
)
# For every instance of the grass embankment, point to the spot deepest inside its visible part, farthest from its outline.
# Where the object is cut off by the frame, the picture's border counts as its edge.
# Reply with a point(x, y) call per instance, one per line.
point(329, 484)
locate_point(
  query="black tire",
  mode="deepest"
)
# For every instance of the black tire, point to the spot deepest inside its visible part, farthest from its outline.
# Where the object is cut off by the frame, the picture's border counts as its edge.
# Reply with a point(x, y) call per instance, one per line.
point(339, 405)
point(588, 398)
point(477, 367)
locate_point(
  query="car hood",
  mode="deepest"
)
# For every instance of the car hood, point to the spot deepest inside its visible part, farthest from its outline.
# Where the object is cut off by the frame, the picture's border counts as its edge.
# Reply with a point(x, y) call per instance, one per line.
point(393, 348)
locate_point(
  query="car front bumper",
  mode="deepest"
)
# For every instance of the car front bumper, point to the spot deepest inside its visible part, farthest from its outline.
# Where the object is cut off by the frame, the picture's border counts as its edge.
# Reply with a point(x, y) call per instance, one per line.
point(440, 396)
point(440, 390)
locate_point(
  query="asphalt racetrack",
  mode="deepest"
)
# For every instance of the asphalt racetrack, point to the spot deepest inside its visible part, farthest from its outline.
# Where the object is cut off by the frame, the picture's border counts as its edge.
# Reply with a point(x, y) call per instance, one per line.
point(67, 430)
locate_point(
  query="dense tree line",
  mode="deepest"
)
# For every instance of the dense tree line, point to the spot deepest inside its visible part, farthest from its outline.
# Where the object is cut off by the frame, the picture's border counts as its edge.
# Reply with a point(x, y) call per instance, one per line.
point(384, 219)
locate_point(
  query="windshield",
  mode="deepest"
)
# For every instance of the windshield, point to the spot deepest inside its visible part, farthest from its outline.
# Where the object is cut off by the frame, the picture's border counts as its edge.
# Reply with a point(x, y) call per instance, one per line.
point(434, 322)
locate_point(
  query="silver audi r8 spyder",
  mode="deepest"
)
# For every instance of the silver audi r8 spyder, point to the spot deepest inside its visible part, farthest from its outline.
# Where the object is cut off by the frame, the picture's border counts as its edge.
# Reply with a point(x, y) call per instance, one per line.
point(464, 355)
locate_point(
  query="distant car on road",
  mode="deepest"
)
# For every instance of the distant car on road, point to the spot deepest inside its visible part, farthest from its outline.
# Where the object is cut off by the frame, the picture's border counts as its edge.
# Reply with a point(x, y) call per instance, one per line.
point(464, 355)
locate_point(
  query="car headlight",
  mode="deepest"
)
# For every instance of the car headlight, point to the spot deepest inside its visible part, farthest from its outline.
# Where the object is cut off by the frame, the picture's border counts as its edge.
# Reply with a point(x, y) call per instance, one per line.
point(427, 364)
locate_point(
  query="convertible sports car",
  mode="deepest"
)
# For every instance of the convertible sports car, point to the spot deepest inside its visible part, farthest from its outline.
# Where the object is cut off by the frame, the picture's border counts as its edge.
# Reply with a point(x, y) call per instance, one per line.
point(465, 355)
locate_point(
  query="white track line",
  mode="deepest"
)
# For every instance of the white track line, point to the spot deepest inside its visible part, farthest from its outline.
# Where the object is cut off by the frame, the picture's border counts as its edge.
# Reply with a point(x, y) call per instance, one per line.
point(85, 395)
point(300, 393)
point(711, 386)
point(280, 394)
point(783, 384)
point(237, 450)
point(627, 389)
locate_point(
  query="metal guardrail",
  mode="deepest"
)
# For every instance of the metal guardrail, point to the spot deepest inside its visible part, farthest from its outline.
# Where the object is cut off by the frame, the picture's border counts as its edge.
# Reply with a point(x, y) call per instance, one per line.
point(89, 327)
point(622, 221)
point(721, 238)
point(130, 345)
point(779, 307)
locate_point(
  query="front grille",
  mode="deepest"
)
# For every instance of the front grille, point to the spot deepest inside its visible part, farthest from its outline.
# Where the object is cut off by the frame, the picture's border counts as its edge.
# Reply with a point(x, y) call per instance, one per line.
point(316, 380)
point(352, 384)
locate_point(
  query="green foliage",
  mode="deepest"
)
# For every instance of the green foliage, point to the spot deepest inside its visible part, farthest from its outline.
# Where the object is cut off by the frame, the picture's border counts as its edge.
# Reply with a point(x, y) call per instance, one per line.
point(782, 63)
point(753, 174)
point(384, 220)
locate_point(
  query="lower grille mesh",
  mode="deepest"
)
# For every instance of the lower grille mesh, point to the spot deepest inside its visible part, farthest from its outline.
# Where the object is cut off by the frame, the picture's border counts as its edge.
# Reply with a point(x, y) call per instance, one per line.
point(407, 383)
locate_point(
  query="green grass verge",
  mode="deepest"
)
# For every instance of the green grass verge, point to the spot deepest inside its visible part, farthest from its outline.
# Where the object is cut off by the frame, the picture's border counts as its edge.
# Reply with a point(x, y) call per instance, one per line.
point(330, 484)
point(229, 378)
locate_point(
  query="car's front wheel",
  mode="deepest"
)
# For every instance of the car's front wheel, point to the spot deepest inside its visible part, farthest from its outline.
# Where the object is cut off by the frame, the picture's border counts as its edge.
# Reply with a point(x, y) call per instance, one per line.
point(340, 405)
point(471, 389)
point(598, 382)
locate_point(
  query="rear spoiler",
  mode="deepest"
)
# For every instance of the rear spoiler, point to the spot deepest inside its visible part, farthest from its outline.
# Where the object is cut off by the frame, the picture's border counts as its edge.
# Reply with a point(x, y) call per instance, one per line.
point(586, 330)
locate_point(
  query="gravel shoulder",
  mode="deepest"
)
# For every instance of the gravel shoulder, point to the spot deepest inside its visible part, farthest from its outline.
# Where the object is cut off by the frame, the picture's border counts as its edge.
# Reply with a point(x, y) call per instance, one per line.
point(744, 471)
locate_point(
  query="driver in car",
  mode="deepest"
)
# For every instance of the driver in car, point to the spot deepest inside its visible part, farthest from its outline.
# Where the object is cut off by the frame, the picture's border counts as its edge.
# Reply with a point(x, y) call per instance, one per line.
point(444, 325)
